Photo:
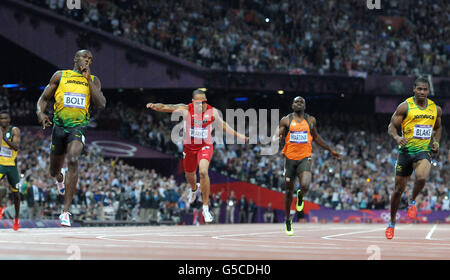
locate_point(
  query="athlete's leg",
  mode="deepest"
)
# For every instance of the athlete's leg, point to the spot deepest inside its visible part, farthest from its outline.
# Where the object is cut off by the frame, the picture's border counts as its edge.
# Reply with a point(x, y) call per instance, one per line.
point(290, 168)
point(56, 163)
point(204, 180)
point(74, 149)
point(305, 180)
point(422, 172)
point(14, 186)
point(190, 164)
point(289, 182)
point(203, 159)
point(16, 197)
point(3, 192)
point(57, 153)
point(191, 178)
point(400, 185)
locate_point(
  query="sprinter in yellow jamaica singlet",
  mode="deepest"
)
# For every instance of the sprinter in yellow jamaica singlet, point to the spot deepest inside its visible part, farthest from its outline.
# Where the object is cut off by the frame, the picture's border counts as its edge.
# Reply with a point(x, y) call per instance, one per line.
point(73, 92)
point(419, 120)
point(9, 149)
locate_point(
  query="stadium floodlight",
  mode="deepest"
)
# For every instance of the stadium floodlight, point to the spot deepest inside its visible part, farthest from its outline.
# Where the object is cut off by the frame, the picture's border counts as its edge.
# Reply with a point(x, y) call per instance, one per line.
point(10, 85)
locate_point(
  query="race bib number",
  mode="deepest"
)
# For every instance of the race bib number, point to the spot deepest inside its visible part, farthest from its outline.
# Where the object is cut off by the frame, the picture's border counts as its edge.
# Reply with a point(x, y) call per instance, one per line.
point(422, 131)
point(5, 152)
point(300, 137)
point(74, 100)
point(199, 132)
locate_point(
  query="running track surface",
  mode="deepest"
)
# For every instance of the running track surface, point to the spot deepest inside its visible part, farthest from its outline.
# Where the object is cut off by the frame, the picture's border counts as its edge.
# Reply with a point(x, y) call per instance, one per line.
point(228, 242)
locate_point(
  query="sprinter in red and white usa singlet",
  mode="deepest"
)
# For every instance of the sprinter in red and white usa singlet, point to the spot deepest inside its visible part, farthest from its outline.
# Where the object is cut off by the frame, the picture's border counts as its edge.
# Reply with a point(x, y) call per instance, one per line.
point(198, 144)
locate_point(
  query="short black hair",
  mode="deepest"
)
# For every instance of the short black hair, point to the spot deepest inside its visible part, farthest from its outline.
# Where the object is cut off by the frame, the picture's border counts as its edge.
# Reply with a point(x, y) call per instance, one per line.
point(78, 53)
point(422, 79)
point(199, 91)
point(4, 111)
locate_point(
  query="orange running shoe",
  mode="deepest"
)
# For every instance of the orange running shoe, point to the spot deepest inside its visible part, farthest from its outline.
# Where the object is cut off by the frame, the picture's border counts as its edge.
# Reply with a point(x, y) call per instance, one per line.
point(389, 232)
point(16, 224)
point(412, 210)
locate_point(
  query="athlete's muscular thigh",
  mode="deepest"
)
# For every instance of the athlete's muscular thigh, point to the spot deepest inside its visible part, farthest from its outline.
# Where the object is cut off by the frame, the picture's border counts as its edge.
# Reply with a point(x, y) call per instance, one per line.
point(56, 163)
point(422, 169)
point(305, 179)
point(74, 150)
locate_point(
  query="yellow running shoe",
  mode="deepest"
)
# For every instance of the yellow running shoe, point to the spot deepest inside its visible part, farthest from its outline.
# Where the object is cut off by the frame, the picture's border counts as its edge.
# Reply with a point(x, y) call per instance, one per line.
point(300, 202)
point(289, 230)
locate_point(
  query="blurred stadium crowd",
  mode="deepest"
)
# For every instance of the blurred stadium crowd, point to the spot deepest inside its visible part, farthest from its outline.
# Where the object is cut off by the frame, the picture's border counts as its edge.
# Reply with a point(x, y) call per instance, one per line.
point(311, 36)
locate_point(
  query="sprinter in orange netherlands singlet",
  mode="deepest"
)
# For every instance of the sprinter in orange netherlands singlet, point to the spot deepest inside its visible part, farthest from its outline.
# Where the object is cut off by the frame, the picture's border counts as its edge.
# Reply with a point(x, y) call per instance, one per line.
point(198, 145)
point(300, 129)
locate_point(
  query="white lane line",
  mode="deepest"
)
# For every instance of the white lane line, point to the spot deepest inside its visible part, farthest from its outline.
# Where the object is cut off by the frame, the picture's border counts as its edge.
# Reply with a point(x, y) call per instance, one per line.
point(332, 237)
point(431, 232)
point(350, 233)
point(229, 237)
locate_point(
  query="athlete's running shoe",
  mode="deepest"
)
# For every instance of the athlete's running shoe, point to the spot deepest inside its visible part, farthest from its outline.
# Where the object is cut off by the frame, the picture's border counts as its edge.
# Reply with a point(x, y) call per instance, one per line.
point(390, 231)
point(289, 230)
point(207, 216)
point(412, 210)
point(16, 224)
point(300, 203)
point(193, 194)
point(1, 212)
point(61, 184)
point(64, 219)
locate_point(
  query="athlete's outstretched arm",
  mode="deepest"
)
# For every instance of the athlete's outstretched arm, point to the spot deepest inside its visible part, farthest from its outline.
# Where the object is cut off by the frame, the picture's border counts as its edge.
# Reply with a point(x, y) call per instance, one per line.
point(281, 129)
point(15, 143)
point(226, 127)
point(45, 97)
point(437, 131)
point(319, 140)
point(167, 108)
point(396, 124)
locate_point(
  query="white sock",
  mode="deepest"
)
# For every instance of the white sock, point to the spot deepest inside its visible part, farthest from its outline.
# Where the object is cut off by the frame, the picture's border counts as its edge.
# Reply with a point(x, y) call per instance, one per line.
point(206, 208)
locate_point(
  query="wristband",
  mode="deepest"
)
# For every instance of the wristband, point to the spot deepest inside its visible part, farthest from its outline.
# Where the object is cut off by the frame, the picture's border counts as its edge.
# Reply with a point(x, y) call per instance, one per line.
point(436, 143)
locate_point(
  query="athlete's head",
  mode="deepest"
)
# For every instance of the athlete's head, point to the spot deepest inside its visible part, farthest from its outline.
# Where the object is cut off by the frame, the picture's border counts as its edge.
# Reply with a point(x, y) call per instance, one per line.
point(421, 88)
point(199, 99)
point(5, 118)
point(299, 104)
point(82, 59)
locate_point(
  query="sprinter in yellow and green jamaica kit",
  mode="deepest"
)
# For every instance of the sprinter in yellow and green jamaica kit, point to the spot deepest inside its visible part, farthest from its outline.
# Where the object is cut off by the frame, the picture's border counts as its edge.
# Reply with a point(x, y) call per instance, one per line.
point(419, 120)
point(10, 136)
point(73, 92)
